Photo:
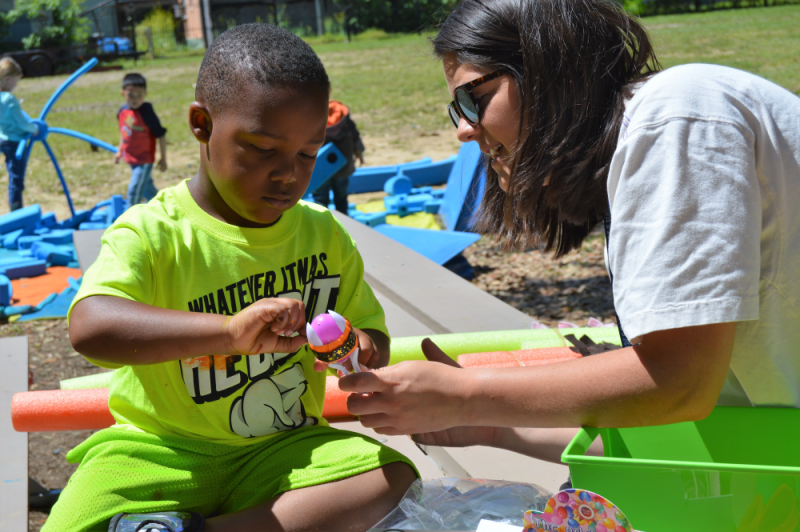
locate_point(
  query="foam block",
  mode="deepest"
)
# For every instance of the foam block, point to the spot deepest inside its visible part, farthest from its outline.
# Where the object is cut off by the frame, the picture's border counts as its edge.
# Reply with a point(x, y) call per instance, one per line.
point(28, 268)
point(59, 236)
point(116, 208)
point(10, 240)
point(85, 226)
point(397, 185)
point(48, 220)
point(53, 410)
point(6, 291)
point(20, 309)
point(77, 220)
point(26, 217)
point(26, 242)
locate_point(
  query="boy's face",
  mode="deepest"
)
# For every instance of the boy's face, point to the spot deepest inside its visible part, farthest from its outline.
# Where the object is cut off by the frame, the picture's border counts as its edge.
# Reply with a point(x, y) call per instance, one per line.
point(262, 150)
point(134, 96)
point(11, 83)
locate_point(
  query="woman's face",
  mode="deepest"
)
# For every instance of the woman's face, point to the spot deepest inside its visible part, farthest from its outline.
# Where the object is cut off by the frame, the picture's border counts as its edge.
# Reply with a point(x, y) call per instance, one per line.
point(497, 132)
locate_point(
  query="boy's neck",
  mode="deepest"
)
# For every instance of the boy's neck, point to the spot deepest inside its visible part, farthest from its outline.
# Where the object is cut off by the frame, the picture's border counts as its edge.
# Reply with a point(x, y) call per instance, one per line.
point(205, 194)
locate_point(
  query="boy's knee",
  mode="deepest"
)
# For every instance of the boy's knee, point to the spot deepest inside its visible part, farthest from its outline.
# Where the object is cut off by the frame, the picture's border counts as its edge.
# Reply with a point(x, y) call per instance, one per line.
point(399, 477)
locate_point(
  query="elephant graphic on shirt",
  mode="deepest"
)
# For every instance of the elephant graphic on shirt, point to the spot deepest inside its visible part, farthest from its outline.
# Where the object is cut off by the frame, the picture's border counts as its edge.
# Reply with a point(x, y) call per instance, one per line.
point(271, 405)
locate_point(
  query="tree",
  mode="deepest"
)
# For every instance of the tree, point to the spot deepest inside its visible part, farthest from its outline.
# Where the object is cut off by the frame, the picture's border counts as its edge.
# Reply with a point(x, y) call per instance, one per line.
point(396, 15)
point(60, 23)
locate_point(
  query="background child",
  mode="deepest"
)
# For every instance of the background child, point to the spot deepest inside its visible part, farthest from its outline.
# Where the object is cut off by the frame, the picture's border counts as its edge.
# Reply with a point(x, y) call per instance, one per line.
point(196, 297)
point(139, 128)
point(13, 128)
point(342, 131)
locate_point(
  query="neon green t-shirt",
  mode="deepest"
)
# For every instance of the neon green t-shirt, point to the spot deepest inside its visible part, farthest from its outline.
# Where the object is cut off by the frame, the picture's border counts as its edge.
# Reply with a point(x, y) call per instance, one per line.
point(171, 254)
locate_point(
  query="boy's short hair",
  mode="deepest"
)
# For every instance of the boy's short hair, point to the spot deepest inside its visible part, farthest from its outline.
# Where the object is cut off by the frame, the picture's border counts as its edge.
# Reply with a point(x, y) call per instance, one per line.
point(134, 80)
point(259, 53)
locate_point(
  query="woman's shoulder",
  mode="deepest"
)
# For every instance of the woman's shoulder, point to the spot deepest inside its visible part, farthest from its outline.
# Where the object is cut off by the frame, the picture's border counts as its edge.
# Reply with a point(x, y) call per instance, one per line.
point(704, 92)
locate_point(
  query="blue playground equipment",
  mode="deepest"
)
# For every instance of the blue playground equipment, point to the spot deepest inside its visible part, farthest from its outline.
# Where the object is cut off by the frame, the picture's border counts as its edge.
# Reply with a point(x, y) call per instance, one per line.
point(24, 150)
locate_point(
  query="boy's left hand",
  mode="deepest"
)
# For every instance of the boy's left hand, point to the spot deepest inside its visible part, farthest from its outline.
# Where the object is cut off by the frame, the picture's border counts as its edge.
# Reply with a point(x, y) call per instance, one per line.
point(162, 165)
point(369, 356)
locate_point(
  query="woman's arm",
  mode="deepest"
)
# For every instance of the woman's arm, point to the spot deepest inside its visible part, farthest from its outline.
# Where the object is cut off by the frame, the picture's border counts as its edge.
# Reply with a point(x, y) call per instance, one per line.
point(674, 375)
point(118, 330)
point(543, 444)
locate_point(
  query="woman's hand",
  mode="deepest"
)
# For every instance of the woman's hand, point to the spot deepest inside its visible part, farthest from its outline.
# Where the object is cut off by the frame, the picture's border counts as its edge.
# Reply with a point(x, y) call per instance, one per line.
point(267, 326)
point(410, 397)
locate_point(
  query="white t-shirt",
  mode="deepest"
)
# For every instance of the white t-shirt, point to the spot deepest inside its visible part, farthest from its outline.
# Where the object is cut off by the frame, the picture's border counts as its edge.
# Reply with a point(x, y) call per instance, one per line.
point(704, 189)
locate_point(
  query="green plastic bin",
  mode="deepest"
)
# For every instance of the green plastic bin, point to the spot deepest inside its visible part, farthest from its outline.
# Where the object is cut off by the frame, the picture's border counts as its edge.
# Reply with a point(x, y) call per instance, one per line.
point(736, 471)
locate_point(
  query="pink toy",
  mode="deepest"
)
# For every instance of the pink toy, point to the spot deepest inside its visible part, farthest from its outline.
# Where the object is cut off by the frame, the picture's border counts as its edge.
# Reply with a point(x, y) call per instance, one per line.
point(333, 340)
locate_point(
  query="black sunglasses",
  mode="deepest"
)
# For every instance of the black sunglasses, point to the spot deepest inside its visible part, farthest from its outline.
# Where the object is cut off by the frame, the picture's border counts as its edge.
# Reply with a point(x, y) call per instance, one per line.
point(464, 105)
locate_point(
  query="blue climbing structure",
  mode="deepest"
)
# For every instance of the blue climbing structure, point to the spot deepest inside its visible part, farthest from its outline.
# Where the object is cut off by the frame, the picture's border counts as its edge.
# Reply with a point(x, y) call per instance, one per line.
point(24, 150)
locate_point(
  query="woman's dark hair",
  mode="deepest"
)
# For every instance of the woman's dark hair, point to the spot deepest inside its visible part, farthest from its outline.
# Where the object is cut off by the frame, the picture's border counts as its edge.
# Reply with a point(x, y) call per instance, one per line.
point(573, 62)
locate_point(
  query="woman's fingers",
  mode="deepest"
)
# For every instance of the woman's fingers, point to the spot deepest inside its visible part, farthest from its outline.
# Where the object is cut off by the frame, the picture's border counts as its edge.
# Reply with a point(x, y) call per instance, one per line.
point(366, 382)
point(434, 354)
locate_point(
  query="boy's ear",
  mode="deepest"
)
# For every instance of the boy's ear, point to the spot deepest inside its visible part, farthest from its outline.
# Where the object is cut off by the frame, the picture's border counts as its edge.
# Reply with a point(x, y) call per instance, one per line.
point(200, 122)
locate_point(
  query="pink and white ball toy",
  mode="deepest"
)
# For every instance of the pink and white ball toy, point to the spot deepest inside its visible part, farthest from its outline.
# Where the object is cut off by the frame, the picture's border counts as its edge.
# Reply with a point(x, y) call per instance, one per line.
point(333, 340)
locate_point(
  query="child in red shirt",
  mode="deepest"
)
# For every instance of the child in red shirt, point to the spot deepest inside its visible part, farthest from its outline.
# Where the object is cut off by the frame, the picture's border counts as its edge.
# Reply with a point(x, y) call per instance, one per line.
point(139, 128)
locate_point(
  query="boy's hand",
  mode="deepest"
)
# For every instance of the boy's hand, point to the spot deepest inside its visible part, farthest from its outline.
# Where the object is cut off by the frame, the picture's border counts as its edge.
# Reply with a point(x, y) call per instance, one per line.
point(162, 165)
point(266, 327)
point(117, 157)
point(369, 353)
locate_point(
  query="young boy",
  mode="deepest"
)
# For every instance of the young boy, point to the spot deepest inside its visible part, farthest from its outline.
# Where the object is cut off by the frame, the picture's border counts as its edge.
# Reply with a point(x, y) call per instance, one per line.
point(196, 297)
point(13, 129)
point(342, 131)
point(139, 127)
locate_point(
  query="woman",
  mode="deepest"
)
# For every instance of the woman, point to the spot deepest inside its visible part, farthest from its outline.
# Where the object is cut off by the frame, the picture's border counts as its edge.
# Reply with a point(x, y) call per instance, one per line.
point(699, 169)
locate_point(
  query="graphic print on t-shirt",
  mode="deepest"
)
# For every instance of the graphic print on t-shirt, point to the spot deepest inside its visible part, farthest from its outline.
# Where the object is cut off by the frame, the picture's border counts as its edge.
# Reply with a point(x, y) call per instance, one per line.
point(273, 387)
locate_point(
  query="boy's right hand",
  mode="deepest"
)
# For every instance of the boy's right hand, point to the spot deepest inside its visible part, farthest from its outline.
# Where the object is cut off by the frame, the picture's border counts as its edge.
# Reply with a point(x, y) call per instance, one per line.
point(266, 326)
point(117, 157)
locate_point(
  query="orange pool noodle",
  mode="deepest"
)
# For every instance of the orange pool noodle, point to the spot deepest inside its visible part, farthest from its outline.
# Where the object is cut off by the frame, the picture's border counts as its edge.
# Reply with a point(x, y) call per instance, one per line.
point(494, 359)
point(536, 357)
point(54, 410)
point(51, 410)
point(335, 400)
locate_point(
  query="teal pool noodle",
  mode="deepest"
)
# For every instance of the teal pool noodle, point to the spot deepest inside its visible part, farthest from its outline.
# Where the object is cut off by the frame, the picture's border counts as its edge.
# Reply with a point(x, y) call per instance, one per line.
point(98, 380)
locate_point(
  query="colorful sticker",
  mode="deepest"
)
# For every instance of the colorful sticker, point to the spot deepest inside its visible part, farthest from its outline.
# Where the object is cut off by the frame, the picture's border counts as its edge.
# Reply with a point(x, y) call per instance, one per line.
point(575, 510)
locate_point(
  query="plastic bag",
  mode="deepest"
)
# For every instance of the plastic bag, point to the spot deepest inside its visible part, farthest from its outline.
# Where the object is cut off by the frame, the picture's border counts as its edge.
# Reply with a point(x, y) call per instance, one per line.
point(460, 504)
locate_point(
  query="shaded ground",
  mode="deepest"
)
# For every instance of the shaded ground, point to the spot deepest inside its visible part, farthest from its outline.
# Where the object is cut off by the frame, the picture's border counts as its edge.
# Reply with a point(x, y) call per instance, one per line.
point(573, 289)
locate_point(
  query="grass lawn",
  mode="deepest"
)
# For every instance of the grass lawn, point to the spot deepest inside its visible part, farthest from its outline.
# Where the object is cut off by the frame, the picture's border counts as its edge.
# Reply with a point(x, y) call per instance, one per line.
point(393, 84)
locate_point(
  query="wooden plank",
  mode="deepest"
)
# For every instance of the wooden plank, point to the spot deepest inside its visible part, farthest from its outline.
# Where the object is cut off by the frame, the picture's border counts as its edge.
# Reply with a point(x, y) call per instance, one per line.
point(427, 468)
point(434, 296)
point(14, 458)
point(87, 246)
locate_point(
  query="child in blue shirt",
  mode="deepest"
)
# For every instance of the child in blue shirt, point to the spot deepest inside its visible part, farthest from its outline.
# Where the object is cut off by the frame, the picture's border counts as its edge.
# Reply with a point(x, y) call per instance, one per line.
point(13, 129)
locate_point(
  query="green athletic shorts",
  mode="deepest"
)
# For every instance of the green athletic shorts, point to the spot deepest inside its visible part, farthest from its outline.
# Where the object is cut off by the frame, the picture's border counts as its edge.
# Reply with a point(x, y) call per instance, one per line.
point(134, 472)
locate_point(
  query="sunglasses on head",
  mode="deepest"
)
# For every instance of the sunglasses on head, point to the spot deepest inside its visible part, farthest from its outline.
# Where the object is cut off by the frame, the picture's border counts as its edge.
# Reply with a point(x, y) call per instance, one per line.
point(464, 104)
